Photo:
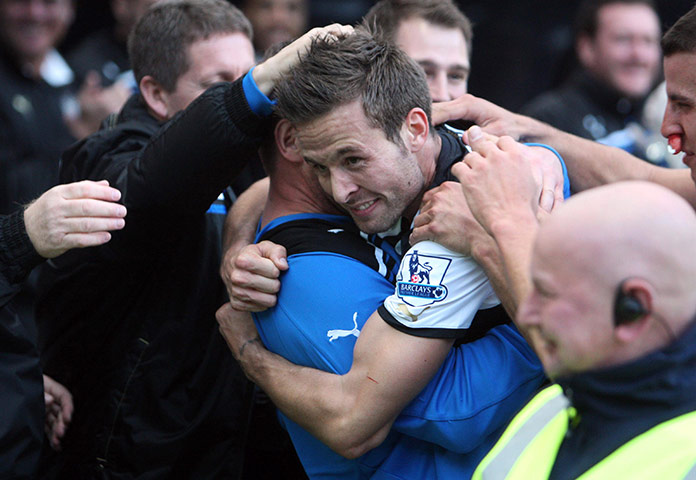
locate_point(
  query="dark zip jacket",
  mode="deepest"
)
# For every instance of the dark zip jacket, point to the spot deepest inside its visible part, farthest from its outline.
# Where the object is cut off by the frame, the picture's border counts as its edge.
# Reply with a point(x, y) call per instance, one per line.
point(129, 327)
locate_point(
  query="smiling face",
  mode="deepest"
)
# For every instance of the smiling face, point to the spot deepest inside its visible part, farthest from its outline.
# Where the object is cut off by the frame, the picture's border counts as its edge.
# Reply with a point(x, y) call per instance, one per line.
point(567, 314)
point(441, 52)
point(31, 28)
point(220, 58)
point(625, 51)
point(680, 114)
point(374, 179)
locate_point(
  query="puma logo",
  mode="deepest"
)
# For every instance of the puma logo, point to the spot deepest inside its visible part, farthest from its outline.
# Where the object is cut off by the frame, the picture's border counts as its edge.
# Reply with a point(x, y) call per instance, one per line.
point(338, 333)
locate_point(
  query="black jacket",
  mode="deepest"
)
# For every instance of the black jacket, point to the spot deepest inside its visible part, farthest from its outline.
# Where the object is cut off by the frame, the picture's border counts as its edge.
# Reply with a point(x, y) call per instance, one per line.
point(32, 135)
point(616, 404)
point(21, 386)
point(129, 327)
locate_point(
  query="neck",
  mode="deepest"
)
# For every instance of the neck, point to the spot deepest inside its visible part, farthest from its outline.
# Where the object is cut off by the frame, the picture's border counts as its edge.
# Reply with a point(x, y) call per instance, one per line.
point(427, 160)
point(291, 193)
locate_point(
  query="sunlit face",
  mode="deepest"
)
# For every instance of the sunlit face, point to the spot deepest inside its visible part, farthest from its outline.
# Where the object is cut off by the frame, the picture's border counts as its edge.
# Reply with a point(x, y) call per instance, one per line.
point(441, 52)
point(276, 20)
point(31, 28)
point(625, 52)
point(680, 114)
point(372, 178)
point(567, 317)
point(218, 58)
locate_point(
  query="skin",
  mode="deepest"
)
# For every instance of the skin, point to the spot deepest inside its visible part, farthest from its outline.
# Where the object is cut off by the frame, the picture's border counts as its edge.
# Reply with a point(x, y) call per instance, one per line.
point(31, 28)
point(580, 256)
point(625, 51)
point(373, 179)
point(680, 114)
point(74, 215)
point(276, 20)
point(443, 54)
point(210, 62)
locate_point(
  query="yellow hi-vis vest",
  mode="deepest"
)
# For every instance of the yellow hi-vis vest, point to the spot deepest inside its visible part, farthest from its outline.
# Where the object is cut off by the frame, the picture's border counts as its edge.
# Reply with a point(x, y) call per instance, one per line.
point(527, 449)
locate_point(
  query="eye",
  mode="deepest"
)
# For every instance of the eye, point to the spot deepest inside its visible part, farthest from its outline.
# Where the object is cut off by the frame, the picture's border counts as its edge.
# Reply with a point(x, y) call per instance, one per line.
point(457, 76)
point(353, 161)
point(319, 168)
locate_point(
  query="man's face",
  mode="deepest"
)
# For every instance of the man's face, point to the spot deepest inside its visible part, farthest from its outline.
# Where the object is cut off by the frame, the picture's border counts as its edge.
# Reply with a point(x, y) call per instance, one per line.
point(441, 52)
point(566, 316)
point(276, 20)
point(31, 28)
point(220, 58)
point(625, 52)
point(372, 178)
point(680, 114)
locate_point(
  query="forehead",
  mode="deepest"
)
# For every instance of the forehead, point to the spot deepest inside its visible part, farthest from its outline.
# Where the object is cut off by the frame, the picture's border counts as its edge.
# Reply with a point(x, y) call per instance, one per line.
point(344, 129)
point(424, 41)
point(620, 18)
point(221, 53)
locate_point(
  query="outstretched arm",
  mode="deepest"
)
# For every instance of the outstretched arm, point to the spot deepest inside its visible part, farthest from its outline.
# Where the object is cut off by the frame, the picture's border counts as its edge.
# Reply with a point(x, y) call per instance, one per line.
point(590, 164)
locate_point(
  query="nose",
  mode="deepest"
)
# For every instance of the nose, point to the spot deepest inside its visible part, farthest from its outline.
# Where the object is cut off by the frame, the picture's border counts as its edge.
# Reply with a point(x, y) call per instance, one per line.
point(670, 121)
point(342, 187)
point(438, 87)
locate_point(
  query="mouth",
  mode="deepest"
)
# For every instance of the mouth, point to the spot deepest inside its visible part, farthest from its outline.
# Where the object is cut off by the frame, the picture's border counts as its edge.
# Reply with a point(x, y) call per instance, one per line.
point(361, 209)
point(674, 142)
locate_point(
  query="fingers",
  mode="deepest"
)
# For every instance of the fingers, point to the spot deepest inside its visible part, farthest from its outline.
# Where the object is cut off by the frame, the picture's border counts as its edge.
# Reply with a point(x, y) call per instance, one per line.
point(88, 189)
point(96, 209)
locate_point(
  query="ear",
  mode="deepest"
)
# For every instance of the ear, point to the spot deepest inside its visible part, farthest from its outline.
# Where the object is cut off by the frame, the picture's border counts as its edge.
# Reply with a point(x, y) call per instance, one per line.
point(417, 129)
point(286, 141)
point(155, 96)
point(586, 50)
point(642, 291)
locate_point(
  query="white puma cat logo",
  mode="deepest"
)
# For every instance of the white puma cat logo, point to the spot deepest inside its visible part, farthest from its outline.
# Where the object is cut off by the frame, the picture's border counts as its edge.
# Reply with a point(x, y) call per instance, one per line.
point(336, 334)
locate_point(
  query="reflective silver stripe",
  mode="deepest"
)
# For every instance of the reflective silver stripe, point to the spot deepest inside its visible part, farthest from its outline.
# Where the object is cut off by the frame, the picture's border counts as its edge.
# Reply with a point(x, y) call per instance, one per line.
point(501, 465)
point(691, 474)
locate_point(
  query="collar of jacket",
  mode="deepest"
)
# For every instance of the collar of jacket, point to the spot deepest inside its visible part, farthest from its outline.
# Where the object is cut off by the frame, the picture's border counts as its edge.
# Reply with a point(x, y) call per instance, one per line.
point(662, 380)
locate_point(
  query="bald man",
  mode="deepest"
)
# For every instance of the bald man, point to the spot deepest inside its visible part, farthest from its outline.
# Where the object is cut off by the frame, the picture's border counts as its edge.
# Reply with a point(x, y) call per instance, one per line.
point(611, 315)
point(610, 312)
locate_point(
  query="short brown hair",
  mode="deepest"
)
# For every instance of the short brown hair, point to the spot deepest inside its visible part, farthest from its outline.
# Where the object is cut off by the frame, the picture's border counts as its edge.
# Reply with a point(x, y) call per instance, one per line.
point(681, 38)
point(386, 16)
point(355, 67)
point(158, 44)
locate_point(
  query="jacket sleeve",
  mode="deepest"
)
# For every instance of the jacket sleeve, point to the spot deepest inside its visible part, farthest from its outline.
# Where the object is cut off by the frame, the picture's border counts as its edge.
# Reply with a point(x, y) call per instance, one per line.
point(180, 167)
point(477, 390)
point(17, 255)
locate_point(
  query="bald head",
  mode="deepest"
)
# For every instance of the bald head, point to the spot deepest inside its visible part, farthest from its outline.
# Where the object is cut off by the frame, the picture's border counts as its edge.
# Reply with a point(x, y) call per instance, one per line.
point(634, 234)
point(631, 229)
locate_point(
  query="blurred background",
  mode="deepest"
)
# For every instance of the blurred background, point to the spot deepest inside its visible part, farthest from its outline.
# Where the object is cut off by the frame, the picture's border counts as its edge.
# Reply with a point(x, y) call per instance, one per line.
point(521, 48)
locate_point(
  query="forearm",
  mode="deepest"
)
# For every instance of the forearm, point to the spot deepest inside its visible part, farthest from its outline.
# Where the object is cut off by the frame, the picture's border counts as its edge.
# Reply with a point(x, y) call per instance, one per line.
point(312, 398)
point(590, 164)
point(515, 239)
point(491, 260)
point(197, 154)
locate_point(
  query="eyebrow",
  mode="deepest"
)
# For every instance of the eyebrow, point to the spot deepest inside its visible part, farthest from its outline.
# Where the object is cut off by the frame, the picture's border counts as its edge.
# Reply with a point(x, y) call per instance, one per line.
point(429, 63)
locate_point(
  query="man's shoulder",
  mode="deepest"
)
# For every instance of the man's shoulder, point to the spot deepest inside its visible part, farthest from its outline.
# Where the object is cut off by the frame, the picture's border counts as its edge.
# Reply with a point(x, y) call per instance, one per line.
point(128, 132)
point(304, 233)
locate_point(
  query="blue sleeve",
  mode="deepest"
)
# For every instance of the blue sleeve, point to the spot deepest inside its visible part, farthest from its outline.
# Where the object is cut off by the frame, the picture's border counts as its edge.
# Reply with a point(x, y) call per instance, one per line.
point(566, 180)
point(259, 103)
point(477, 390)
point(324, 300)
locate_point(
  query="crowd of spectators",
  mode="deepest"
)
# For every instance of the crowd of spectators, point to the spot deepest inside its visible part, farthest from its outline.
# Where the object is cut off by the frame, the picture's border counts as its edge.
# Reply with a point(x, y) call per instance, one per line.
point(406, 304)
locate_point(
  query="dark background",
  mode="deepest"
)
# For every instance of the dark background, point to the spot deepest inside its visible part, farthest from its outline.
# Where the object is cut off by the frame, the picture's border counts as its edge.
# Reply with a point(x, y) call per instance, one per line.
point(521, 48)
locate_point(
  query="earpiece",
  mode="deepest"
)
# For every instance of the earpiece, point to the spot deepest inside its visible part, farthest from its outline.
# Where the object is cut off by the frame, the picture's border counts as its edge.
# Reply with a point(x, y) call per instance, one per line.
point(627, 308)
